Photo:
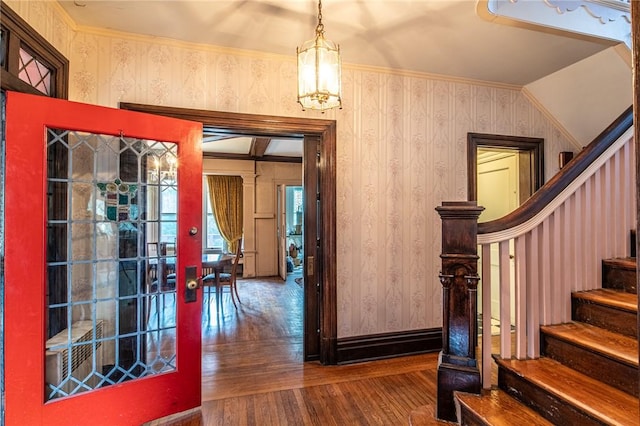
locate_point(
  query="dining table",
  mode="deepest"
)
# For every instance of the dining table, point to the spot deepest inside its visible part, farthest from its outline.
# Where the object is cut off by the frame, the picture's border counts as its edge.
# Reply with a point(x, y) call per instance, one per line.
point(211, 263)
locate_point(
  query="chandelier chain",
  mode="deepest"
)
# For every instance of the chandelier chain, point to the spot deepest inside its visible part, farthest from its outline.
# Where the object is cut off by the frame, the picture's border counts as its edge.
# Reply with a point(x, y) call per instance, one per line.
point(320, 27)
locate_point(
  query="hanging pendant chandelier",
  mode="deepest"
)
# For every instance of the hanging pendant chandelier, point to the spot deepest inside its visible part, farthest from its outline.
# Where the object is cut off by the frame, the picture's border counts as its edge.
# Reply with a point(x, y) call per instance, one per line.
point(319, 71)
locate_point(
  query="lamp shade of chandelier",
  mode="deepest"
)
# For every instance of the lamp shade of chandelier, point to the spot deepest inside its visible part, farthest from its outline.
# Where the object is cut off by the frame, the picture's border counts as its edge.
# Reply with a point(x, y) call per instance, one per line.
point(319, 71)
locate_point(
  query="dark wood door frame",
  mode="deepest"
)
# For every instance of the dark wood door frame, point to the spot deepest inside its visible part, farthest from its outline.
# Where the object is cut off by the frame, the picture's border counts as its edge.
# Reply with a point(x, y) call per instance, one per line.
point(635, 57)
point(519, 143)
point(313, 131)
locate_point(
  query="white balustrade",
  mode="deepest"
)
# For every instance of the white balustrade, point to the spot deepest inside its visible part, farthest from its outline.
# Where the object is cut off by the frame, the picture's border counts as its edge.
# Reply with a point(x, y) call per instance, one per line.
point(556, 252)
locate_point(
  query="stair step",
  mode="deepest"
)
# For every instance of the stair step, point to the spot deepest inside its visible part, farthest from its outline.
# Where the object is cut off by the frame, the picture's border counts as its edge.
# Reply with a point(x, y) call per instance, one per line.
point(565, 396)
point(614, 310)
point(495, 408)
point(601, 354)
point(620, 273)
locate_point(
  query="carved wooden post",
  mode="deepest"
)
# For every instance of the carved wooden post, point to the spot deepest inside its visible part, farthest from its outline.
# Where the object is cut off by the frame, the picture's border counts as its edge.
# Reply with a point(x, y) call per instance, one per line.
point(457, 364)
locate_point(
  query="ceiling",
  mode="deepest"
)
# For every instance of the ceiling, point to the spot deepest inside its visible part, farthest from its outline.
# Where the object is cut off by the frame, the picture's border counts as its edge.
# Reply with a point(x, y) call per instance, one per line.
point(217, 145)
point(446, 37)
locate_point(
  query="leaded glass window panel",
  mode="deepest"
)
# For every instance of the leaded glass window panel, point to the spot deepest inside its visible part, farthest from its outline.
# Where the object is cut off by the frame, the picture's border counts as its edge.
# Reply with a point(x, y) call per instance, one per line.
point(34, 72)
point(111, 256)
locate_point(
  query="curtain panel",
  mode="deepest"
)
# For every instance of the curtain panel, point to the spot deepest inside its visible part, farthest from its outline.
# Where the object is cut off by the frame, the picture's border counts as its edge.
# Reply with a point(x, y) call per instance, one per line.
point(225, 198)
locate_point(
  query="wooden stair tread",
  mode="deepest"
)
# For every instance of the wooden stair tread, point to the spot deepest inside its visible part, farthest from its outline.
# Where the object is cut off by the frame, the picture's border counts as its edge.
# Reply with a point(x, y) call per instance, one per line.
point(610, 405)
point(610, 297)
point(622, 262)
point(613, 345)
point(497, 408)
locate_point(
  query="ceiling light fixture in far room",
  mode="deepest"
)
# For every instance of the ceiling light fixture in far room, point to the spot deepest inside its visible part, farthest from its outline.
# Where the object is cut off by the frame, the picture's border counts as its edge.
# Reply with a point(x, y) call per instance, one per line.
point(319, 71)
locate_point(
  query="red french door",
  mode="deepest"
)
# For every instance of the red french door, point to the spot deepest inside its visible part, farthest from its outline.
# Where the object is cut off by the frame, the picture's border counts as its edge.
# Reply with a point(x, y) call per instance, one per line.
point(102, 211)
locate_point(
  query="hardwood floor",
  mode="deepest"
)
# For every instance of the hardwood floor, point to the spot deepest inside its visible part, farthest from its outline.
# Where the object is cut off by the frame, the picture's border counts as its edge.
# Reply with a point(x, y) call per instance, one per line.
point(253, 373)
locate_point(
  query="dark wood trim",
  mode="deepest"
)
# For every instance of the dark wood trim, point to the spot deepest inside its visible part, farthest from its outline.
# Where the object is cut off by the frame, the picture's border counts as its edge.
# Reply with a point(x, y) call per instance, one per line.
point(327, 166)
point(520, 143)
point(312, 270)
point(635, 57)
point(388, 345)
point(563, 178)
point(11, 82)
point(259, 147)
point(20, 32)
point(274, 126)
point(269, 158)
point(240, 124)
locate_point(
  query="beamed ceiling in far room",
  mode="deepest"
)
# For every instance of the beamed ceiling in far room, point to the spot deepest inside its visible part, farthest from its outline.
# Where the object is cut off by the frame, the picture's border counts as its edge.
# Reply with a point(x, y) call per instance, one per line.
point(221, 145)
point(454, 38)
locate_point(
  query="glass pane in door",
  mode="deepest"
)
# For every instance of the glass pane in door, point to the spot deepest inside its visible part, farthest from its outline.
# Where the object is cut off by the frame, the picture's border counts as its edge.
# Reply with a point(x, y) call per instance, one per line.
point(111, 256)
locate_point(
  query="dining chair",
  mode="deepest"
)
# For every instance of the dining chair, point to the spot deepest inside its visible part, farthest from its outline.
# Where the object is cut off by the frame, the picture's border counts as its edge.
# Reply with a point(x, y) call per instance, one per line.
point(225, 279)
point(161, 276)
point(165, 275)
point(168, 251)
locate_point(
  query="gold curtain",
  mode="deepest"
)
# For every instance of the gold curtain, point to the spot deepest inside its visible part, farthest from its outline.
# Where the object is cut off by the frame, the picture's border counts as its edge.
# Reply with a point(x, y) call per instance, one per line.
point(225, 198)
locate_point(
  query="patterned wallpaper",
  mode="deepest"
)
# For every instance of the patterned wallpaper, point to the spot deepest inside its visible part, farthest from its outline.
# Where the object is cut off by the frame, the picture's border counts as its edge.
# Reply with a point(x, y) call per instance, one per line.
point(401, 147)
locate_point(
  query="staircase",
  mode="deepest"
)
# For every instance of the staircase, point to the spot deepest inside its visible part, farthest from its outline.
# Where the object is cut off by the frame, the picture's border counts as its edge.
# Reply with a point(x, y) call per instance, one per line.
point(588, 370)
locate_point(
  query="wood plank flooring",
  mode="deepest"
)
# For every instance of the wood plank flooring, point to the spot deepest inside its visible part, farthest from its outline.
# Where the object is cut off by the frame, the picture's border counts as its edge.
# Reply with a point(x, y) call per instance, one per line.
point(253, 373)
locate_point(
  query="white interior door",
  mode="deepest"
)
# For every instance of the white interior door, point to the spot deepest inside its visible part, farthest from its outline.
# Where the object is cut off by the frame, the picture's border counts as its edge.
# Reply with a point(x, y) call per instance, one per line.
point(282, 231)
point(498, 193)
point(498, 187)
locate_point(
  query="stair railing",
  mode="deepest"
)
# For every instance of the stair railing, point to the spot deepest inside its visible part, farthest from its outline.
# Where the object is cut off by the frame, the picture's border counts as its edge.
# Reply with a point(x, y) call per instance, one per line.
point(553, 244)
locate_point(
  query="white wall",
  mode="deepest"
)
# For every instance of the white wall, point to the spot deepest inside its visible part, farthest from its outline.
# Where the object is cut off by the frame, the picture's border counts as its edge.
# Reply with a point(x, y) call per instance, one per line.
point(270, 175)
point(589, 95)
point(401, 148)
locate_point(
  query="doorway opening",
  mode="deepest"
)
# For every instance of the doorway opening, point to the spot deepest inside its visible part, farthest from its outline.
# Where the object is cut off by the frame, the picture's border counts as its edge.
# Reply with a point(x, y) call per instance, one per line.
point(319, 182)
point(294, 210)
point(290, 227)
point(503, 171)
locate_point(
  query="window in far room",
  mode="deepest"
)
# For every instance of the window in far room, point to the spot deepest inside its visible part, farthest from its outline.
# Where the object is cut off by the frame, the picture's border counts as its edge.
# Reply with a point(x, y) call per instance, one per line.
point(212, 241)
point(168, 214)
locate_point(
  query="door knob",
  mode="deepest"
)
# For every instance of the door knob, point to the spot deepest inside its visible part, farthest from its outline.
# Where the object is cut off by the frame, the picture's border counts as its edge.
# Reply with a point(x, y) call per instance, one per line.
point(191, 284)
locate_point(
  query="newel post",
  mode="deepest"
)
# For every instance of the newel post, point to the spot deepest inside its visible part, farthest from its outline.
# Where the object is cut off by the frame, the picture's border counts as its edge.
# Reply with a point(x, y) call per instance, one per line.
point(457, 364)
